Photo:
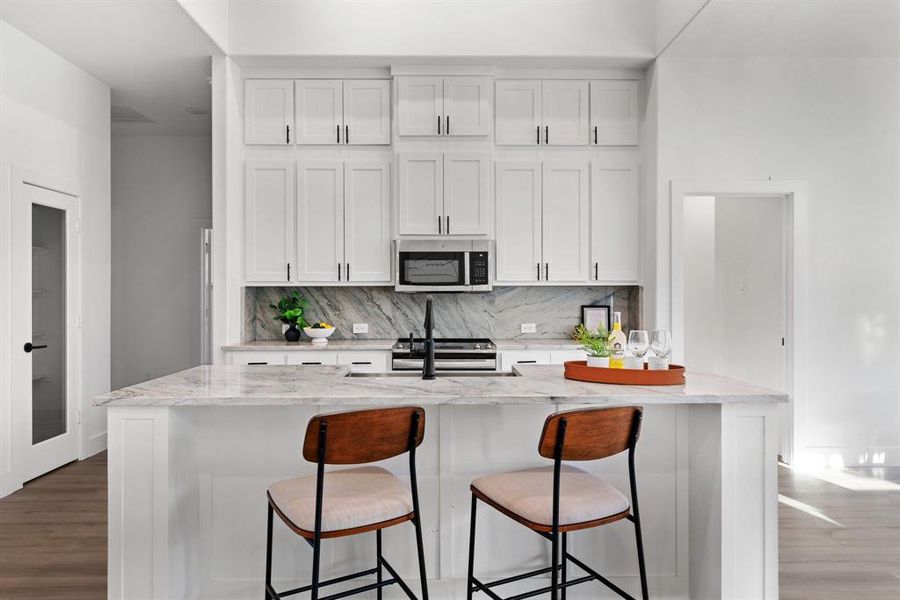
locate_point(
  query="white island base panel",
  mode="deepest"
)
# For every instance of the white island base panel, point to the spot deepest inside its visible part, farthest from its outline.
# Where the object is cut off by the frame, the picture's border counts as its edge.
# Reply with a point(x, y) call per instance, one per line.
point(187, 504)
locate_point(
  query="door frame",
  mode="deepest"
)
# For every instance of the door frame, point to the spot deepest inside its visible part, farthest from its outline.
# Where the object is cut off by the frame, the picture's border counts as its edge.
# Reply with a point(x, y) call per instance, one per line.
point(795, 194)
point(20, 410)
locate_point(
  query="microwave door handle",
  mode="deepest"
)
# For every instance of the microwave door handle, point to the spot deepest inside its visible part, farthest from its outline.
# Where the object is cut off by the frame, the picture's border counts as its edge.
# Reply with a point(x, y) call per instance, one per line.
point(465, 268)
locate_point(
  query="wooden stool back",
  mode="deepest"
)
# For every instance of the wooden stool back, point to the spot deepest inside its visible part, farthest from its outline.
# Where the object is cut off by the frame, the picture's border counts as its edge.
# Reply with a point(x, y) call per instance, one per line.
point(592, 433)
point(364, 436)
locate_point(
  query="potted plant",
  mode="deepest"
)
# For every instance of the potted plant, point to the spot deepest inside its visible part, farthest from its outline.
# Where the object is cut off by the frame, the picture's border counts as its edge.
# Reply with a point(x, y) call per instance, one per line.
point(289, 310)
point(595, 343)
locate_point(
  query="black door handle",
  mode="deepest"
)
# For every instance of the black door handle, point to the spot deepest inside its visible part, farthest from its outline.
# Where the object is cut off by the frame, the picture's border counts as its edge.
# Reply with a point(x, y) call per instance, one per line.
point(29, 347)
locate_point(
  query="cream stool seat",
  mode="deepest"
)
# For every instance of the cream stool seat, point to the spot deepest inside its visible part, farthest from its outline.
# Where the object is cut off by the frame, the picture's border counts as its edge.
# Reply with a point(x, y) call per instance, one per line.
point(529, 494)
point(352, 498)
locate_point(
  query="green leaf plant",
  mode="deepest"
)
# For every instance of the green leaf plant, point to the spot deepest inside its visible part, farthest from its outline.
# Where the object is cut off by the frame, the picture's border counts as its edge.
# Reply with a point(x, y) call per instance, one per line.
point(289, 309)
point(595, 343)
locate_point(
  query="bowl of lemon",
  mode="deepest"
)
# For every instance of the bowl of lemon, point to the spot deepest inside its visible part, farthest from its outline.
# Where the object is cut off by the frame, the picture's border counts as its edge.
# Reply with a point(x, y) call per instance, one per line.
point(319, 332)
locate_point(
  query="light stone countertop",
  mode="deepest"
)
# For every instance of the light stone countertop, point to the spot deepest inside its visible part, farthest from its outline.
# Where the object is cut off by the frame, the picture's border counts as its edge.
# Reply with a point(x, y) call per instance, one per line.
point(362, 344)
point(275, 385)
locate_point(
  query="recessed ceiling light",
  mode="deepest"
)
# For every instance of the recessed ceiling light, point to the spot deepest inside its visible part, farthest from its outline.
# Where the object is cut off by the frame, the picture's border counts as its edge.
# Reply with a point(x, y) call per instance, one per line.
point(196, 110)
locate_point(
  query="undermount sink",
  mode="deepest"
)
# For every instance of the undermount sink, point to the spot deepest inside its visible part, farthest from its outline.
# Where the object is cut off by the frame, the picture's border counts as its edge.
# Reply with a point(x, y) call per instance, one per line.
point(440, 375)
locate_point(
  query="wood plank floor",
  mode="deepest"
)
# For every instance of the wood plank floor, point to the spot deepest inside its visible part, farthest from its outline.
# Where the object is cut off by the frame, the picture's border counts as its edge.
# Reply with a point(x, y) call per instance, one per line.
point(839, 536)
point(53, 535)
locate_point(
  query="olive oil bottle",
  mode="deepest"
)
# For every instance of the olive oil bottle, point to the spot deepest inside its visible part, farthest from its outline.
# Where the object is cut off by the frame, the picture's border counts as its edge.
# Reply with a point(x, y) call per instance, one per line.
point(617, 343)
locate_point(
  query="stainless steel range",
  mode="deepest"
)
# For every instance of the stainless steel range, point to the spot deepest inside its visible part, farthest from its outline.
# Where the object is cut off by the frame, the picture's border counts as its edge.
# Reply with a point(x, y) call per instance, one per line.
point(450, 354)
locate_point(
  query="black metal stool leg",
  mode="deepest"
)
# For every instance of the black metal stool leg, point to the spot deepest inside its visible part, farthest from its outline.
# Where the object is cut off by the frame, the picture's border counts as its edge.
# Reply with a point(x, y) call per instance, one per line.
point(317, 548)
point(471, 549)
point(378, 559)
point(421, 549)
point(554, 558)
point(640, 550)
point(562, 577)
point(268, 552)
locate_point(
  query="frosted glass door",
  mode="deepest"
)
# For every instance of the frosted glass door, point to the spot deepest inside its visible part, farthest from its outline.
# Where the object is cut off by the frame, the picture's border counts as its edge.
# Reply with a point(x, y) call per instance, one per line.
point(48, 318)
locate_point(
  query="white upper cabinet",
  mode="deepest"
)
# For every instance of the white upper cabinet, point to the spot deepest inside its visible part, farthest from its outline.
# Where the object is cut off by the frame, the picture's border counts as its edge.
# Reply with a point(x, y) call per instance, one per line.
point(269, 221)
point(421, 102)
point(564, 105)
point(566, 189)
point(320, 221)
point(454, 106)
point(467, 192)
point(542, 113)
point(320, 111)
point(444, 194)
point(367, 221)
point(542, 222)
point(421, 194)
point(615, 120)
point(268, 111)
point(367, 112)
point(518, 255)
point(615, 222)
point(518, 120)
point(466, 110)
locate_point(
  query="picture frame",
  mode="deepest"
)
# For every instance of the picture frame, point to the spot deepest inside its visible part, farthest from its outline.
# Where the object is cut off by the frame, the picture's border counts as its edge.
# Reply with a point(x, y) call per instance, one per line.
point(595, 315)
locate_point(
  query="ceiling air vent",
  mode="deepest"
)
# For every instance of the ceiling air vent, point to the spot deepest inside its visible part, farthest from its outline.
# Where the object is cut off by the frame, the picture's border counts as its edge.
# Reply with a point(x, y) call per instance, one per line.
point(128, 114)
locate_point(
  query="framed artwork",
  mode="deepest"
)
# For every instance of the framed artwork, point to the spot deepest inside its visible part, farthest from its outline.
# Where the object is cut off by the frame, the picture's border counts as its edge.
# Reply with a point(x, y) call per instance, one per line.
point(596, 316)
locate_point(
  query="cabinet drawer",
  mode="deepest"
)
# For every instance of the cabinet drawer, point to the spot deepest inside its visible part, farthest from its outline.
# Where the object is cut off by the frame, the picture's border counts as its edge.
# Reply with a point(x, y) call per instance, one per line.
point(312, 358)
point(558, 357)
point(257, 358)
point(508, 358)
point(363, 361)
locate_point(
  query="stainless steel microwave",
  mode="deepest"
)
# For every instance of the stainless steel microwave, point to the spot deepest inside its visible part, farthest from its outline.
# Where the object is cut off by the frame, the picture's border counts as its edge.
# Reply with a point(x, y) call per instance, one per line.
point(443, 266)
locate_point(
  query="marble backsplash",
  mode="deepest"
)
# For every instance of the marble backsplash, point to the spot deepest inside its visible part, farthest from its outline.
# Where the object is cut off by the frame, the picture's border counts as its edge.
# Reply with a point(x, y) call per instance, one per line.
point(497, 314)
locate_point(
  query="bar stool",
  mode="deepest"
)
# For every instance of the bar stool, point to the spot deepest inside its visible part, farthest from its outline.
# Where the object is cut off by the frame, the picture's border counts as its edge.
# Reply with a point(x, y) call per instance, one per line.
point(553, 501)
point(351, 501)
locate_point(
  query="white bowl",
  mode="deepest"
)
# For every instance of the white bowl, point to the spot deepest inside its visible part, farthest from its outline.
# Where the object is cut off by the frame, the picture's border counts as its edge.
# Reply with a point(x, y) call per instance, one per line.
point(319, 336)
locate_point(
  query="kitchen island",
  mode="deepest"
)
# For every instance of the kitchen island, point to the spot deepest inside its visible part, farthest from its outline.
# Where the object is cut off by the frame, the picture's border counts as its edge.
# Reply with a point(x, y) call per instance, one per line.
point(191, 455)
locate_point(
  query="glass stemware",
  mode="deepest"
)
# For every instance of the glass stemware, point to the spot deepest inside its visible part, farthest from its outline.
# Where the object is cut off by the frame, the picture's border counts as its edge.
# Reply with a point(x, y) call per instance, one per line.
point(638, 342)
point(661, 343)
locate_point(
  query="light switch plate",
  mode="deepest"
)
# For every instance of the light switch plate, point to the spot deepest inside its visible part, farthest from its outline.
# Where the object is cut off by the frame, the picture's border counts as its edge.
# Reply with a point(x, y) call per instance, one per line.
point(529, 328)
point(360, 328)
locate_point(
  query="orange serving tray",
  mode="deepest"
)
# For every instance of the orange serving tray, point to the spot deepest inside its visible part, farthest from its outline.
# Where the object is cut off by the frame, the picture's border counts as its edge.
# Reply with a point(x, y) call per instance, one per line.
point(578, 369)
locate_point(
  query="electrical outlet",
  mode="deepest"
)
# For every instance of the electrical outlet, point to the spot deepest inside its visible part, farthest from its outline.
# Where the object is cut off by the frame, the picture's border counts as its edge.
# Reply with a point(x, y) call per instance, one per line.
point(360, 328)
point(529, 328)
point(284, 327)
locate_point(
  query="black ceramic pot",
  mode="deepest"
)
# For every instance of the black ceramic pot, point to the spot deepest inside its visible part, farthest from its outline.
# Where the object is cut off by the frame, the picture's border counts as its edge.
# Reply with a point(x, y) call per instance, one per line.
point(292, 334)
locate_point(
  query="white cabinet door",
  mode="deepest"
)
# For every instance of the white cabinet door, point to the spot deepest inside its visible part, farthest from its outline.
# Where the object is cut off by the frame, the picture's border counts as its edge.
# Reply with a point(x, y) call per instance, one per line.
point(320, 112)
point(320, 221)
point(564, 105)
point(517, 121)
point(518, 222)
point(466, 106)
point(615, 222)
point(467, 194)
point(367, 111)
point(269, 221)
point(510, 358)
point(614, 113)
point(421, 104)
point(367, 214)
point(421, 202)
point(565, 221)
point(257, 357)
point(312, 358)
point(268, 111)
point(365, 361)
point(559, 357)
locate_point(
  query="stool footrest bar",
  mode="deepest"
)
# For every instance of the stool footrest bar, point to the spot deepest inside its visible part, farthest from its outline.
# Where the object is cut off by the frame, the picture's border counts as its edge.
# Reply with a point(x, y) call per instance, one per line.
point(360, 589)
point(340, 579)
point(479, 586)
point(595, 575)
point(398, 579)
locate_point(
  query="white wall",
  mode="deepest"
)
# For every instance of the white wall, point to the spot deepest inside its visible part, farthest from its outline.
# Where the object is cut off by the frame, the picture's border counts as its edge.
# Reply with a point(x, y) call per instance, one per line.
point(54, 119)
point(700, 340)
point(212, 17)
point(161, 199)
point(833, 123)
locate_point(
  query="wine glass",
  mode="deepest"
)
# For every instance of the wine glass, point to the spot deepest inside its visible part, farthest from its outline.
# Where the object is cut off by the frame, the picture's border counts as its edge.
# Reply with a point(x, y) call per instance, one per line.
point(638, 343)
point(661, 343)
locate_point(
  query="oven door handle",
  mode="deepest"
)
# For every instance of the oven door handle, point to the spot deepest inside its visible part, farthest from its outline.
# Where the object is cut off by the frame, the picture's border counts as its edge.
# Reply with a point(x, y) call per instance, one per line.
point(416, 363)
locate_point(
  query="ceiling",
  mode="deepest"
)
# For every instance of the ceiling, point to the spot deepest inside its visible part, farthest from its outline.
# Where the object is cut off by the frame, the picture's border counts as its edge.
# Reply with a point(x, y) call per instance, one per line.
point(151, 53)
point(792, 29)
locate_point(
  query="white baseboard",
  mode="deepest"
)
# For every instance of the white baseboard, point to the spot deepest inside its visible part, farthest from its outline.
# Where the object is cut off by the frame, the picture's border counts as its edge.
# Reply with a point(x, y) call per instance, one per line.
point(94, 445)
point(9, 483)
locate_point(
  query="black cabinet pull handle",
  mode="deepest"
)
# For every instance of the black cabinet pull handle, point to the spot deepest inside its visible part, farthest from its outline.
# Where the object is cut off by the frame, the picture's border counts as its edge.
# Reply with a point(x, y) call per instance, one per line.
point(287, 134)
point(539, 135)
point(256, 363)
point(29, 347)
point(546, 271)
point(348, 272)
point(546, 134)
point(439, 124)
point(311, 363)
point(526, 362)
point(289, 271)
point(448, 224)
point(539, 271)
point(439, 225)
point(338, 133)
point(362, 362)
point(447, 132)
point(346, 134)
point(595, 135)
point(596, 266)
point(339, 271)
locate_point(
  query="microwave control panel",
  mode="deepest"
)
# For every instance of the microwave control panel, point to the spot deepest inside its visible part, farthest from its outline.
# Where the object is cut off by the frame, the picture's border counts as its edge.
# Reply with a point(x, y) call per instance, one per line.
point(478, 268)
